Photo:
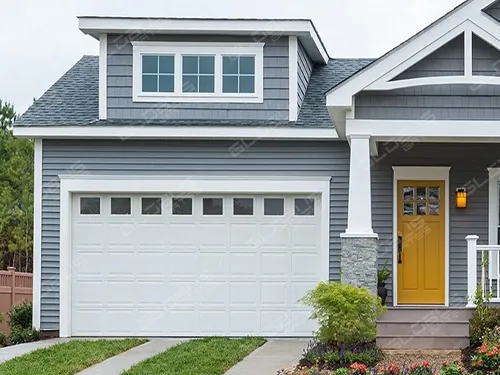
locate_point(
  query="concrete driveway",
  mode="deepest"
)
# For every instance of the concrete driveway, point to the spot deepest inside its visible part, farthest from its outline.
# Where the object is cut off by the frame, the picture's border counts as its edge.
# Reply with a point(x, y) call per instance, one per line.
point(272, 356)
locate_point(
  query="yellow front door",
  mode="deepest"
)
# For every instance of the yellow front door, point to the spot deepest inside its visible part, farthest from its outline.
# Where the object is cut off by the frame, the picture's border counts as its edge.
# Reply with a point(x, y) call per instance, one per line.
point(421, 243)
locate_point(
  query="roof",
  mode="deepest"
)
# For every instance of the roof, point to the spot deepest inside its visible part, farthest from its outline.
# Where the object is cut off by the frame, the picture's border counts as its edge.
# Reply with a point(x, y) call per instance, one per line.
point(74, 100)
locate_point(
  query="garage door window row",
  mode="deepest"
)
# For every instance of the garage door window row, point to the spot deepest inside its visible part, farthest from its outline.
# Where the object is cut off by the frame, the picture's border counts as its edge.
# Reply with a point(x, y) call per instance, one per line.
point(184, 206)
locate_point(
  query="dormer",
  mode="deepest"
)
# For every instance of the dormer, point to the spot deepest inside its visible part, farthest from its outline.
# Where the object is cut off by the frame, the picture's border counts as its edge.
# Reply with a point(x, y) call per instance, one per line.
point(203, 69)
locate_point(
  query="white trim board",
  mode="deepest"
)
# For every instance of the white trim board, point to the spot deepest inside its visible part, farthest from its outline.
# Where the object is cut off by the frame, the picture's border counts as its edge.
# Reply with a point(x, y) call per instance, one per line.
point(171, 132)
point(103, 76)
point(293, 52)
point(423, 174)
point(173, 184)
point(493, 215)
point(257, 28)
point(37, 231)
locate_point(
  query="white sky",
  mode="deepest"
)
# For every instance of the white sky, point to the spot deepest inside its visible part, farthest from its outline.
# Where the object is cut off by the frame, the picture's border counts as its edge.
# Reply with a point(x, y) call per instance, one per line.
point(40, 40)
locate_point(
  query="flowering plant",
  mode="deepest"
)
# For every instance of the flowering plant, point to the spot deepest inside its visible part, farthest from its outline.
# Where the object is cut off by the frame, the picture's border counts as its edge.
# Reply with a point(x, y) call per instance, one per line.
point(452, 369)
point(421, 369)
point(487, 357)
point(358, 369)
point(391, 369)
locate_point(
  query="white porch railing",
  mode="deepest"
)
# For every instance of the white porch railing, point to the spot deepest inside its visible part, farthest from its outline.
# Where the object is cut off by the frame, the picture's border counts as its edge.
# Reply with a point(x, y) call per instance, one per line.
point(483, 260)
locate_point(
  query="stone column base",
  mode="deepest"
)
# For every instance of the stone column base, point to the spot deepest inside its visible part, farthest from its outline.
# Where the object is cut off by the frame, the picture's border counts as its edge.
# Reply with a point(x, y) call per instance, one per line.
point(359, 262)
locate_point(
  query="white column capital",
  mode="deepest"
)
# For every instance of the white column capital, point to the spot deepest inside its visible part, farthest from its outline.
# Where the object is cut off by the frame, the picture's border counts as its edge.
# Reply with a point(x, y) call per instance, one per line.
point(360, 136)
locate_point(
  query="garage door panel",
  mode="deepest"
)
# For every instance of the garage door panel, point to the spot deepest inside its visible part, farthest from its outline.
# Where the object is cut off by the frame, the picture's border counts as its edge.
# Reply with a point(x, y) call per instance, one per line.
point(194, 275)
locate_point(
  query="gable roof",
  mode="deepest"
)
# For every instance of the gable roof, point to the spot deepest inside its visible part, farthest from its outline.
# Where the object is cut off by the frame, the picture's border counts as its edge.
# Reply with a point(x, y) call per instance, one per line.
point(74, 100)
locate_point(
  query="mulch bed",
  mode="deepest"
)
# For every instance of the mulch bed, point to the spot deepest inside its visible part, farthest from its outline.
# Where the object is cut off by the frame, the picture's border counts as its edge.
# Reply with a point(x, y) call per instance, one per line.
point(409, 357)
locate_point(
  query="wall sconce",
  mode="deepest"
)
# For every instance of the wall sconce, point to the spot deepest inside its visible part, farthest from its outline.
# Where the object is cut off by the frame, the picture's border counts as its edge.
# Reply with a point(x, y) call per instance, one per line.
point(461, 198)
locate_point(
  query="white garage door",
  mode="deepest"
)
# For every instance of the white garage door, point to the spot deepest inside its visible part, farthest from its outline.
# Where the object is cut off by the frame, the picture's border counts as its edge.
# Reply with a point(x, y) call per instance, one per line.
point(160, 265)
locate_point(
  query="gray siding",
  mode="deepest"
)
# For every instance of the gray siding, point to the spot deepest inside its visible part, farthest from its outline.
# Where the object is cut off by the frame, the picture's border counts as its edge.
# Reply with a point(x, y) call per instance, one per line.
point(494, 10)
point(276, 77)
point(305, 68)
point(468, 169)
point(445, 102)
point(445, 61)
point(486, 58)
point(182, 158)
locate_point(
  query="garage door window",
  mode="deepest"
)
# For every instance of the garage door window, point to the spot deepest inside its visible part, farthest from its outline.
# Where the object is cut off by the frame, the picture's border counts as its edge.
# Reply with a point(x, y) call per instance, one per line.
point(274, 206)
point(243, 206)
point(121, 206)
point(304, 207)
point(213, 206)
point(151, 206)
point(182, 206)
point(90, 206)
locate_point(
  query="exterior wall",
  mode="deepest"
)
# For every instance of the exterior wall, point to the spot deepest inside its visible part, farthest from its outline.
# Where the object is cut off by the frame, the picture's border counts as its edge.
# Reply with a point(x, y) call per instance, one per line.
point(446, 61)
point(445, 102)
point(305, 68)
point(486, 58)
point(494, 10)
point(469, 164)
point(108, 157)
point(276, 86)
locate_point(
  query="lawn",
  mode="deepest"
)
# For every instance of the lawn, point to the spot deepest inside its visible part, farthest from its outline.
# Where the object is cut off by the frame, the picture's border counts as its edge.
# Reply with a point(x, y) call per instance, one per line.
point(66, 358)
point(210, 356)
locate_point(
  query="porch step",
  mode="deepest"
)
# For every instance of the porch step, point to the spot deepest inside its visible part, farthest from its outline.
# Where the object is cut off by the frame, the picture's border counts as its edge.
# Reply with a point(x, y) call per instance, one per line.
point(424, 328)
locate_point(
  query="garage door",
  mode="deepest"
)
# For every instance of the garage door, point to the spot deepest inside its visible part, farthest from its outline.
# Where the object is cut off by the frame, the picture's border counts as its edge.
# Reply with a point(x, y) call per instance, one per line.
point(162, 265)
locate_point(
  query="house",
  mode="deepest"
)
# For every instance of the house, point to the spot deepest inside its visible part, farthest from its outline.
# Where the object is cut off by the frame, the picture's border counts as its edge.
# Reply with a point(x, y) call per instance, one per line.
point(201, 175)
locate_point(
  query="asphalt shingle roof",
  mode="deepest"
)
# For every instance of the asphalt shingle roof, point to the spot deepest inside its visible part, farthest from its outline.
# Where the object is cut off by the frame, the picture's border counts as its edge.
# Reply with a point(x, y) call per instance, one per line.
point(74, 99)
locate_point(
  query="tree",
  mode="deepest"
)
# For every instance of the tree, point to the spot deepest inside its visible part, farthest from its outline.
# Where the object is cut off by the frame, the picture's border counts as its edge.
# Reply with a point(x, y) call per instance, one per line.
point(16, 195)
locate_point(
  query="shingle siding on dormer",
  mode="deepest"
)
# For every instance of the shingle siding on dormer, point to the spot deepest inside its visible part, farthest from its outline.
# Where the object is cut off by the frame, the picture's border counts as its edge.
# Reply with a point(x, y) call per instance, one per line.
point(276, 86)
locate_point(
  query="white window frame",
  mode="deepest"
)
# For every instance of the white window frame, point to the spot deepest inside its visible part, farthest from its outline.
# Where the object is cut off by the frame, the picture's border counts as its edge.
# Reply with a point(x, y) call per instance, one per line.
point(178, 49)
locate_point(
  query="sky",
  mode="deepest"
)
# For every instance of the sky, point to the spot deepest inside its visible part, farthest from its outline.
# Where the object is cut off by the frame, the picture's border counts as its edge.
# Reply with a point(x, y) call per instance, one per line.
point(40, 40)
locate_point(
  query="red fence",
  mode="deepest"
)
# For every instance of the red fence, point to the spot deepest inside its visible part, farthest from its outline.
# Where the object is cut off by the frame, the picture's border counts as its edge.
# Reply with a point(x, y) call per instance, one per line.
point(15, 287)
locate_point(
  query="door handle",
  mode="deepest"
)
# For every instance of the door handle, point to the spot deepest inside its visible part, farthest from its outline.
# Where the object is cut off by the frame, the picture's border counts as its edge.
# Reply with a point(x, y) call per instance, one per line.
point(400, 249)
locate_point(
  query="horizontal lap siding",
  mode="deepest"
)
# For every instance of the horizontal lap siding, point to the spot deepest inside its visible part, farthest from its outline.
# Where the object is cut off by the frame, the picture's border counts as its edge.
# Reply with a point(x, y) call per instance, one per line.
point(468, 169)
point(276, 77)
point(305, 68)
point(182, 158)
point(486, 58)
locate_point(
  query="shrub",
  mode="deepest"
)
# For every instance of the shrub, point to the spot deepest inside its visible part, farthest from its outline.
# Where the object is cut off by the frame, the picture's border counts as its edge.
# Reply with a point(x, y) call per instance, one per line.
point(483, 323)
point(3, 339)
point(342, 371)
point(21, 315)
point(333, 357)
point(347, 315)
point(22, 335)
point(487, 357)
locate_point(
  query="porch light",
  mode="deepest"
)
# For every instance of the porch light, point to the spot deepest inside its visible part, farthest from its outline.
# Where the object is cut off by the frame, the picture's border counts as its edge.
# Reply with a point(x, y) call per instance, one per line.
point(461, 198)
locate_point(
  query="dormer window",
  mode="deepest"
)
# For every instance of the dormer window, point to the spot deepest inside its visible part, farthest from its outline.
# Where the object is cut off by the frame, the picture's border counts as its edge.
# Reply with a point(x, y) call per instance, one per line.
point(198, 72)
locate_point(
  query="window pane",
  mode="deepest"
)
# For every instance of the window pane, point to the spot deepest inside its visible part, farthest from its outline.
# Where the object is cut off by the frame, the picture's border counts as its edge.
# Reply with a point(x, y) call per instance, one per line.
point(190, 64)
point(247, 84)
point(121, 206)
point(149, 83)
point(304, 207)
point(230, 65)
point(230, 84)
point(421, 193)
point(434, 209)
point(247, 65)
point(421, 209)
point(434, 193)
point(212, 206)
point(207, 84)
point(182, 206)
point(408, 193)
point(207, 65)
point(189, 83)
point(151, 206)
point(150, 64)
point(90, 206)
point(408, 209)
point(167, 64)
point(274, 206)
point(243, 206)
point(166, 83)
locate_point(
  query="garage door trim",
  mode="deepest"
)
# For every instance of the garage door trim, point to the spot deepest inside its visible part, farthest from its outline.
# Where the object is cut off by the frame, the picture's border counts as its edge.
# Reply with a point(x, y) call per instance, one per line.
point(177, 184)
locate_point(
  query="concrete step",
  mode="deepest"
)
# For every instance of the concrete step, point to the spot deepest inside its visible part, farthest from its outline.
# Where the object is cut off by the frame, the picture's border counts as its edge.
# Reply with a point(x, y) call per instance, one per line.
point(425, 343)
point(426, 314)
point(418, 329)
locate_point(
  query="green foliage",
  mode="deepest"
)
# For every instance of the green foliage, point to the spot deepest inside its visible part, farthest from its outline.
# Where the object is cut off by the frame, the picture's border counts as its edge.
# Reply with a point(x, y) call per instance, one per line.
point(421, 369)
point(21, 335)
point(342, 371)
point(485, 320)
point(487, 358)
point(3, 339)
point(333, 357)
point(347, 315)
point(16, 195)
point(383, 274)
point(21, 315)
point(452, 369)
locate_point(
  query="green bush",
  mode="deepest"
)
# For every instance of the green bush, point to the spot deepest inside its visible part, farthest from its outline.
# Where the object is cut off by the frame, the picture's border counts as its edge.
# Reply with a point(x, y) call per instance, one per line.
point(347, 315)
point(21, 335)
point(21, 315)
point(484, 322)
point(3, 339)
point(342, 371)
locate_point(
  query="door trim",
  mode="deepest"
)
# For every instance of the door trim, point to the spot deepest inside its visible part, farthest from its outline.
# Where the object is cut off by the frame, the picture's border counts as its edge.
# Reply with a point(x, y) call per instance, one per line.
point(421, 174)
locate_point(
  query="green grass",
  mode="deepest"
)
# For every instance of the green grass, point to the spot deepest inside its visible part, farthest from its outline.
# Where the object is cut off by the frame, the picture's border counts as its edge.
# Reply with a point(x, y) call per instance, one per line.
point(67, 358)
point(210, 356)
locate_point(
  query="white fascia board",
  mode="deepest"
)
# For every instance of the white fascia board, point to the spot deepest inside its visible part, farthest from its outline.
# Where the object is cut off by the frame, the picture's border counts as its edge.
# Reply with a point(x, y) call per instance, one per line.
point(432, 81)
point(422, 130)
point(341, 95)
point(186, 132)
point(256, 28)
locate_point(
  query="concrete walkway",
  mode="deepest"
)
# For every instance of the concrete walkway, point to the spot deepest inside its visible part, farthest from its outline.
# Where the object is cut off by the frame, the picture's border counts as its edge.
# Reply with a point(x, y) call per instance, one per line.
point(271, 357)
point(10, 352)
point(116, 365)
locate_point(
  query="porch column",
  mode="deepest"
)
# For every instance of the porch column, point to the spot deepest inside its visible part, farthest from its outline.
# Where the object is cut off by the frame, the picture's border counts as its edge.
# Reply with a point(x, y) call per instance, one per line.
point(359, 244)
